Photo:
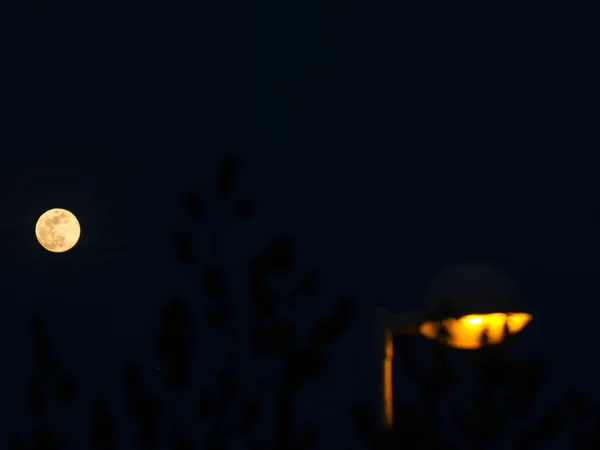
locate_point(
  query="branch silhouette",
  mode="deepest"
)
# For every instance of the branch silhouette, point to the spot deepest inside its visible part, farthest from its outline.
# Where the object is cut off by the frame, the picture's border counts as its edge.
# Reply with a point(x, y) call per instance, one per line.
point(271, 336)
point(233, 408)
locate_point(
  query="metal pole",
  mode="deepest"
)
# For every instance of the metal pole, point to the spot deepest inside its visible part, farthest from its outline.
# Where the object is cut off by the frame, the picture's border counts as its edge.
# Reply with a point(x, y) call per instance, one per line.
point(385, 353)
point(387, 325)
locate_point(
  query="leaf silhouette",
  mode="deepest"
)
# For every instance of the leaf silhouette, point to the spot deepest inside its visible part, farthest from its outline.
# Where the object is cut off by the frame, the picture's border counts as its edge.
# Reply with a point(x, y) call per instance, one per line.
point(175, 315)
point(182, 442)
point(363, 421)
point(406, 356)
point(194, 205)
point(308, 283)
point(333, 326)
point(443, 336)
point(146, 410)
point(44, 440)
point(345, 310)
point(262, 300)
point(218, 316)
point(309, 437)
point(215, 442)
point(44, 362)
point(303, 365)
point(443, 376)
point(488, 418)
point(467, 427)
point(174, 342)
point(595, 437)
point(37, 400)
point(243, 208)
point(148, 436)
point(249, 415)
point(543, 430)
point(65, 388)
point(103, 428)
point(213, 282)
point(132, 376)
point(227, 383)
point(258, 445)
point(226, 177)
point(185, 248)
point(277, 338)
point(413, 431)
point(279, 256)
point(578, 402)
point(208, 404)
point(524, 378)
point(16, 443)
point(284, 428)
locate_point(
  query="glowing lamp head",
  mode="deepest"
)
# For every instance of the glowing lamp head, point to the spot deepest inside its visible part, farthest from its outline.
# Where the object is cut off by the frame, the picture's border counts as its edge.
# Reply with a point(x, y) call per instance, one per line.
point(472, 304)
point(467, 332)
point(465, 307)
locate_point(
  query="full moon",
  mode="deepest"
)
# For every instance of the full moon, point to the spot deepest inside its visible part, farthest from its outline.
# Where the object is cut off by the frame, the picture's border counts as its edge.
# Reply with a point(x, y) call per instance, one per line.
point(57, 230)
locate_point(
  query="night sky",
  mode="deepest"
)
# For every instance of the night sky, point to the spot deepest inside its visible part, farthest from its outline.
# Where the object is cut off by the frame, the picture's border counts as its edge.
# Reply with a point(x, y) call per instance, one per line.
point(389, 144)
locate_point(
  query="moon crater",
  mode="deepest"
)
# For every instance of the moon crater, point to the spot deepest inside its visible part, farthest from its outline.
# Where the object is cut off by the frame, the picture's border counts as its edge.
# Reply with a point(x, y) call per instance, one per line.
point(57, 230)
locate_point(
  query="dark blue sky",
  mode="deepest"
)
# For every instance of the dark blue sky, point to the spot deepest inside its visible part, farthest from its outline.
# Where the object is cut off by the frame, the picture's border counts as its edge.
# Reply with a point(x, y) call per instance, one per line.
point(390, 144)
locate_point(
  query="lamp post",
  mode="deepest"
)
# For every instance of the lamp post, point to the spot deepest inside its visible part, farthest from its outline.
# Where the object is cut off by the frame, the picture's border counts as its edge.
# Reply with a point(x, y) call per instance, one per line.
point(466, 301)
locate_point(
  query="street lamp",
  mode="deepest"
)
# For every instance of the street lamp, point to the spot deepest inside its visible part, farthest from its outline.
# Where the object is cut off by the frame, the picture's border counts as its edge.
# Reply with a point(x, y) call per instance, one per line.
point(471, 304)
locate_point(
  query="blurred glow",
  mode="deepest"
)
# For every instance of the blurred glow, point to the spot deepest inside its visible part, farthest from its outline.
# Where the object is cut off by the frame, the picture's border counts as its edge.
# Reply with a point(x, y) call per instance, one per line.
point(466, 332)
point(388, 410)
point(474, 320)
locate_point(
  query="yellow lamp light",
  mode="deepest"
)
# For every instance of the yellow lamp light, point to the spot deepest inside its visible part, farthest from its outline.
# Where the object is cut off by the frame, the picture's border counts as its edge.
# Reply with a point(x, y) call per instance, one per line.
point(467, 332)
point(470, 305)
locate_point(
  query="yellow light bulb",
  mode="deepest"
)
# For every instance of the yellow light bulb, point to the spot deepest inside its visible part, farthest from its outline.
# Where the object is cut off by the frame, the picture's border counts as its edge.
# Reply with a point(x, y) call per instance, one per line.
point(466, 332)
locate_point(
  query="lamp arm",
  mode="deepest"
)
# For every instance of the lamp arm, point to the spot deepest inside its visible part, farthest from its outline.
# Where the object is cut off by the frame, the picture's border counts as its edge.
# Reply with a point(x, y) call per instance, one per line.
point(398, 324)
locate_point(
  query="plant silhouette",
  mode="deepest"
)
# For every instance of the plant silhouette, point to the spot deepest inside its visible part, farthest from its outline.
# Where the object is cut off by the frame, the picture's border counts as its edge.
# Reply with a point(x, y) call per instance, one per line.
point(233, 406)
point(50, 386)
point(507, 393)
